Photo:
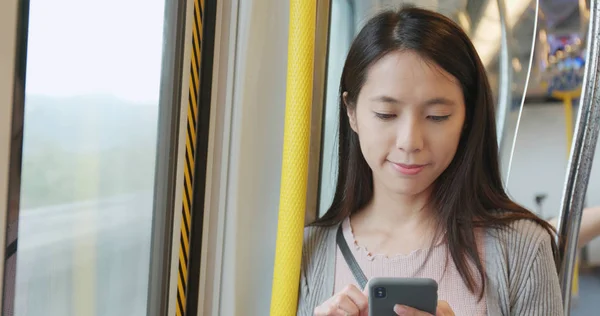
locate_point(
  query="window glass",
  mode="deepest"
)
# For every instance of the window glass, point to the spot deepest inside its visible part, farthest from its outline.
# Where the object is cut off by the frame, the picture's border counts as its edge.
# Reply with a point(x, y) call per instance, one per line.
point(93, 77)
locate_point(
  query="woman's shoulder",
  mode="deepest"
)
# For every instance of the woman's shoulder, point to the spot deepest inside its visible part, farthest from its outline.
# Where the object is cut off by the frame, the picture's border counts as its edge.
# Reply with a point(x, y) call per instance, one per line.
point(318, 249)
point(521, 268)
point(522, 232)
point(520, 243)
point(316, 237)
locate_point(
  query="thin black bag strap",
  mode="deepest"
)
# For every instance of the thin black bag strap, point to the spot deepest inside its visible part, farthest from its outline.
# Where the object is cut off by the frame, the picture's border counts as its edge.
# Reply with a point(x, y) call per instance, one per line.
point(350, 260)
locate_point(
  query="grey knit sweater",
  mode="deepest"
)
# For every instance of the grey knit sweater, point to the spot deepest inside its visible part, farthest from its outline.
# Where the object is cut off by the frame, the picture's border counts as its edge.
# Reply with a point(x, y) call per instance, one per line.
point(521, 274)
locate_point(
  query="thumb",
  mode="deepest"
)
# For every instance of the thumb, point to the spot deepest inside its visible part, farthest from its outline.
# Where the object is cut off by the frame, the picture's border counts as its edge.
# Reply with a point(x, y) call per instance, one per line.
point(408, 311)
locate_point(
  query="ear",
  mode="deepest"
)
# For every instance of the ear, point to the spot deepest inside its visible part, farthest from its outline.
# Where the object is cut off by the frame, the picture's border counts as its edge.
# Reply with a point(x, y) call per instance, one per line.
point(351, 112)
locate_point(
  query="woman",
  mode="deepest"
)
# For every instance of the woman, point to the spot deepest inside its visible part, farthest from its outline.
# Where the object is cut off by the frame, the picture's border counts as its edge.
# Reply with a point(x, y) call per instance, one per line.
point(419, 192)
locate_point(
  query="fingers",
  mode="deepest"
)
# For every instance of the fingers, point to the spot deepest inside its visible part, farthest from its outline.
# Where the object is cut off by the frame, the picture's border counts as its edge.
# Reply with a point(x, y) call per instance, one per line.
point(351, 301)
point(320, 311)
point(346, 304)
point(359, 298)
point(409, 311)
point(444, 309)
point(340, 305)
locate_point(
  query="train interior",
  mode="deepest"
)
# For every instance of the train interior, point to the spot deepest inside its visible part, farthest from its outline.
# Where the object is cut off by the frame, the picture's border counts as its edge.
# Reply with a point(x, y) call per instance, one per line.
point(141, 142)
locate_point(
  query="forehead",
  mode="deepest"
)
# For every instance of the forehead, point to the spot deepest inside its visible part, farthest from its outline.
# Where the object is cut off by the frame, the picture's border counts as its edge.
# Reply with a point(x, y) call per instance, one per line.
point(404, 74)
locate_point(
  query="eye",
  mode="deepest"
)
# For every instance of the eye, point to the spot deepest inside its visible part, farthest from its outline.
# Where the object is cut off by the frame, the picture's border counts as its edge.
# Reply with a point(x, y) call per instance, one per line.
point(438, 118)
point(384, 116)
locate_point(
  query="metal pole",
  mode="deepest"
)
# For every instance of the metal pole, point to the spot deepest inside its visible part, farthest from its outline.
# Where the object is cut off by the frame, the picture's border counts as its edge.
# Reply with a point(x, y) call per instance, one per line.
point(580, 162)
point(506, 72)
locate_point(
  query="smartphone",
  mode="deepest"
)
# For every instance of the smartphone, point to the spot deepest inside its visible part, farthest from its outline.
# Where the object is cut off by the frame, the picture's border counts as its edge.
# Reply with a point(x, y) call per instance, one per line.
point(419, 293)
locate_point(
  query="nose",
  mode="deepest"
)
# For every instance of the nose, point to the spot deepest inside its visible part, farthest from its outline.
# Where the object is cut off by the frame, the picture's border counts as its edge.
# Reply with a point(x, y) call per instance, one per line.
point(409, 136)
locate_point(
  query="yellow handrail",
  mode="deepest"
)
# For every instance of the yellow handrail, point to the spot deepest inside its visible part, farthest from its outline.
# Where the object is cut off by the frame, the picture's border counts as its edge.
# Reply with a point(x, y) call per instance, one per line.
point(294, 169)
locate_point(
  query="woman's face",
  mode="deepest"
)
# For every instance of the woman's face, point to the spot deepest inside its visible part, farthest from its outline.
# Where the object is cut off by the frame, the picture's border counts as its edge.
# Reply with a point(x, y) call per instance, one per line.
point(409, 117)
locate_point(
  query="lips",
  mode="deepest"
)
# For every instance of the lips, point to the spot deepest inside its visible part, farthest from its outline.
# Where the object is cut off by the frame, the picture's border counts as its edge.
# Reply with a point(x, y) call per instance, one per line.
point(408, 169)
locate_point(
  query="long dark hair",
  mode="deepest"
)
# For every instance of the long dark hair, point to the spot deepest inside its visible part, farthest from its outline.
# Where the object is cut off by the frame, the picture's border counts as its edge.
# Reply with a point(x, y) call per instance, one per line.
point(469, 193)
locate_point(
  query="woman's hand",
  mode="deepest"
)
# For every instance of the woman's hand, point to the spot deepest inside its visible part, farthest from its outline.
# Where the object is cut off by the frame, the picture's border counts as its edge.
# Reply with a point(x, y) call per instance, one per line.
point(349, 302)
point(443, 309)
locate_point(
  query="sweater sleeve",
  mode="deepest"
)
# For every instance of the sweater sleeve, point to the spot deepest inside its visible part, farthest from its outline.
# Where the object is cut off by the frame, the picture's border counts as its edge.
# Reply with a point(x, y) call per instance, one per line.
point(313, 261)
point(539, 292)
point(304, 304)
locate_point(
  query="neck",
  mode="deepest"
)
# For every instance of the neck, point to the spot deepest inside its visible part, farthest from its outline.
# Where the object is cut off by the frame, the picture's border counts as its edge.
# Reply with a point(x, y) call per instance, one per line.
point(390, 211)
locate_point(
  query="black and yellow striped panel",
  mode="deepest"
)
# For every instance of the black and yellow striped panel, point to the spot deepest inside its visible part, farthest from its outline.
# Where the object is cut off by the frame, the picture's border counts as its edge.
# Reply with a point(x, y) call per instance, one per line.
point(189, 166)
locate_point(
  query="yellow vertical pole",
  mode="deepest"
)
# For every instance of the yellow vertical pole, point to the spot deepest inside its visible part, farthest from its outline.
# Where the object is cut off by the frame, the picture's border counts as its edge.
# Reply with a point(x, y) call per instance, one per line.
point(294, 169)
point(568, 106)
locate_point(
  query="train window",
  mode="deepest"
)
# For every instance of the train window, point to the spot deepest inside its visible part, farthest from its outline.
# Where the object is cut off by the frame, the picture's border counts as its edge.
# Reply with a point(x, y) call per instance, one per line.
point(92, 95)
point(341, 34)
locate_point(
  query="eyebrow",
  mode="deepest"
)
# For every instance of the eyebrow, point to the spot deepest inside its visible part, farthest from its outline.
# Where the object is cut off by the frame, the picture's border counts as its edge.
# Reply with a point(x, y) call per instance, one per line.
point(437, 100)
